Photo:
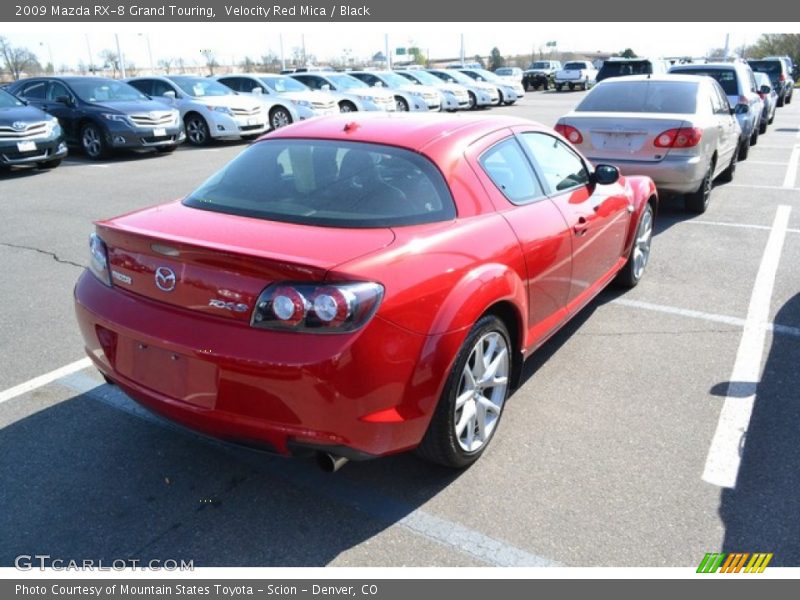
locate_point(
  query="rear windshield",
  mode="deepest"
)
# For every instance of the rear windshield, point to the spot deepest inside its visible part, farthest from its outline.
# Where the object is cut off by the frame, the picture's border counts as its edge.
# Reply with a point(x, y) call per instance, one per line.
point(642, 96)
point(328, 183)
point(725, 77)
point(771, 68)
point(574, 66)
point(614, 68)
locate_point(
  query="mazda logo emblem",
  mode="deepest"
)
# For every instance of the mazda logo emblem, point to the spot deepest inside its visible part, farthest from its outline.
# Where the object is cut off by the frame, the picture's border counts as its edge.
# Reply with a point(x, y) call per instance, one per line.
point(165, 279)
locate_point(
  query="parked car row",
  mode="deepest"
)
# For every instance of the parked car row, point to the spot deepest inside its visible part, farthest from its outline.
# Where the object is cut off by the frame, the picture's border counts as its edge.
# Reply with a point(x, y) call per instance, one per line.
point(684, 129)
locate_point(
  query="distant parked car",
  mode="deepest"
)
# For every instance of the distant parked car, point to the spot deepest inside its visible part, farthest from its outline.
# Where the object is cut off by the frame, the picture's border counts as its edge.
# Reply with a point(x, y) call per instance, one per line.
point(779, 74)
point(407, 96)
point(102, 115)
point(793, 70)
point(510, 73)
point(770, 98)
point(510, 91)
point(678, 130)
point(575, 74)
point(454, 96)
point(481, 94)
point(209, 109)
point(304, 98)
point(621, 67)
point(282, 109)
point(28, 136)
point(356, 95)
point(540, 74)
point(739, 84)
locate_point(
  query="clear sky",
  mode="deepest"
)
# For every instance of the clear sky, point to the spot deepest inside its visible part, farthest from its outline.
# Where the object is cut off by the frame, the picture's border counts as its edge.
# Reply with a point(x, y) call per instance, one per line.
point(232, 42)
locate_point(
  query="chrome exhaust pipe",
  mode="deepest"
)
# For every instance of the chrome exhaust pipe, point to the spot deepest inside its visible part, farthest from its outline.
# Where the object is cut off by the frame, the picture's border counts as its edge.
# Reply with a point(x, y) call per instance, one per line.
point(329, 462)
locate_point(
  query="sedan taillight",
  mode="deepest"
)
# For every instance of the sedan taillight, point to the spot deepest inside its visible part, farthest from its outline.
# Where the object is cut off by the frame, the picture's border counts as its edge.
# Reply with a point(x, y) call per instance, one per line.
point(98, 259)
point(569, 132)
point(680, 137)
point(317, 308)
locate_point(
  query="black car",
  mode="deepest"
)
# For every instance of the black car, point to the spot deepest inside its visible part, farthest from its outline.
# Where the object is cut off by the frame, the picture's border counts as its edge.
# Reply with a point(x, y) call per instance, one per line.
point(28, 136)
point(778, 73)
point(102, 115)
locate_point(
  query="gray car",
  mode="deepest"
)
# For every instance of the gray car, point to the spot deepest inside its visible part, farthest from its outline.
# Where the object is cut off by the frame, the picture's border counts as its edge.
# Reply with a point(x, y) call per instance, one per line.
point(356, 95)
point(454, 96)
point(678, 130)
point(739, 83)
point(481, 94)
point(770, 97)
point(510, 91)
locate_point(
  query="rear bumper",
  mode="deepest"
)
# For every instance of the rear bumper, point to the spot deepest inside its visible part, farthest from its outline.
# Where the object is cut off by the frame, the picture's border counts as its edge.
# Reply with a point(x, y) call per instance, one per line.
point(370, 392)
point(678, 174)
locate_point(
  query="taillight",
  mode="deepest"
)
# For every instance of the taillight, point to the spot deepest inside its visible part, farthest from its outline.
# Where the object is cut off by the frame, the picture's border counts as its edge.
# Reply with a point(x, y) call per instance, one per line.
point(681, 137)
point(317, 308)
point(782, 77)
point(98, 259)
point(569, 132)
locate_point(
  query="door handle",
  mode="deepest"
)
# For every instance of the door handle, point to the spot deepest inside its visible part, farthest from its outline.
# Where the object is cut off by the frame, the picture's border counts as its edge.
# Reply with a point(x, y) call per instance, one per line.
point(581, 227)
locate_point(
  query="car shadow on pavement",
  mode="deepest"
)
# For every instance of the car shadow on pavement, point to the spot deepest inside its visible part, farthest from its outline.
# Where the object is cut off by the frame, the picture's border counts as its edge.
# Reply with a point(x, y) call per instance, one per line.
point(84, 480)
point(762, 514)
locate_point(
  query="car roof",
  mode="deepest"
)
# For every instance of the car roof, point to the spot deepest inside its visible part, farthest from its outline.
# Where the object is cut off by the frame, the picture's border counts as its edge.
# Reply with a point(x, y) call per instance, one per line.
point(413, 131)
point(711, 65)
point(669, 77)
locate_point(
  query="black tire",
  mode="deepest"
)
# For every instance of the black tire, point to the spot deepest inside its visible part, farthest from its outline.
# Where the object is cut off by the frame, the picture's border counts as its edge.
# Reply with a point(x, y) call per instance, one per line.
point(558, 87)
point(754, 135)
point(781, 101)
point(93, 142)
point(440, 443)
point(197, 132)
point(697, 202)
point(346, 107)
point(400, 104)
point(772, 118)
point(789, 98)
point(501, 99)
point(473, 101)
point(49, 164)
point(279, 117)
point(728, 174)
point(629, 276)
point(571, 86)
point(167, 149)
point(744, 149)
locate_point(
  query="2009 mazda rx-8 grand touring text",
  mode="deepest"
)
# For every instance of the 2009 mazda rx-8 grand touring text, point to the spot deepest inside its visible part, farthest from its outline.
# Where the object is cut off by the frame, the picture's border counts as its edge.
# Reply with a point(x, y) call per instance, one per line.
point(357, 286)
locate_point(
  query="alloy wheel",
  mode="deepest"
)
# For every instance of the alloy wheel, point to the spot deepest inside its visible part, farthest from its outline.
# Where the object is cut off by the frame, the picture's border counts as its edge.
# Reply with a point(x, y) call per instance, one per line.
point(481, 391)
point(280, 118)
point(641, 245)
point(92, 143)
point(196, 131)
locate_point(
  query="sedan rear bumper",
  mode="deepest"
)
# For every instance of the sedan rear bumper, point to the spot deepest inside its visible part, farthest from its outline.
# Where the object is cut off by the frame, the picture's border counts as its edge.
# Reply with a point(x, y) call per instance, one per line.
point(371, 392)
point(675, 174)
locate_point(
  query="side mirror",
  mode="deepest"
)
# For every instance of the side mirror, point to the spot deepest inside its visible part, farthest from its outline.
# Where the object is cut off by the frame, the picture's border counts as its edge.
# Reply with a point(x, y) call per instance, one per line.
point(170, 94)
point(606, 174)
point(325, 87)
point(378, 84)
point(257, 91)
point(765, 89)
point(480, 78)
point(66, 100)
point(741, 109)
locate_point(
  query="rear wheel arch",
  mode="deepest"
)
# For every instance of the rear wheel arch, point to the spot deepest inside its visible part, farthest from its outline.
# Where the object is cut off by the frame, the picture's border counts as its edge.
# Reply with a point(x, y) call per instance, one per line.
point(509, 313)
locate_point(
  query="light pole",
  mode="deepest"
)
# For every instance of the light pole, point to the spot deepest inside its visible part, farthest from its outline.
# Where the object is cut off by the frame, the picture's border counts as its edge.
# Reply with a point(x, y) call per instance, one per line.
point(50, 53)
point(91, 60)
point(120, 57)
point(149, 52)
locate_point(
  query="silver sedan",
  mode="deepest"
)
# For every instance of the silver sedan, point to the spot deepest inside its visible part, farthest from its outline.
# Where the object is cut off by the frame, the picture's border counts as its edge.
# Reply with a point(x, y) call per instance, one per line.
point(677, 129)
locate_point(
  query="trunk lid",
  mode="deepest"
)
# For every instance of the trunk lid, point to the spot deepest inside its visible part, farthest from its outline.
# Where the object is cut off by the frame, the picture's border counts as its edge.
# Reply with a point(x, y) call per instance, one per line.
point(217, 263)
point(621, 136)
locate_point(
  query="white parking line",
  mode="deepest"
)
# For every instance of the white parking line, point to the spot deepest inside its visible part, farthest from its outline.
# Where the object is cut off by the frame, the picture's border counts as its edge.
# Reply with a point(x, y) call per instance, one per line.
point(761, 187)
point(735, 225)
point(791, 170)
point(42, 380)
point(725, 455)
point(764, 162)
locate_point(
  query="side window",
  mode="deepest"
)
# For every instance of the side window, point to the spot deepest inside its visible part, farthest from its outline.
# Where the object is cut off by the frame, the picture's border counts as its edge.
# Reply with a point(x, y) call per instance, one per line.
point(723, 99)
point(369, 79)
point(711, 91)
point(34, 90)
point(560, 167)
point(232, 82)
point(56, 90)
point(313, 82)
point(144, 86)
point(159, 88)
point(509, 170)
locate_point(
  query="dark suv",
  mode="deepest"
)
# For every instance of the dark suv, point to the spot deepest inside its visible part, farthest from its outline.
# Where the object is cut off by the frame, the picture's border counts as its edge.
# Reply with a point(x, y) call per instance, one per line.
point(620, 67)
point(102, 115)
point(28, 136)
point(778, 73)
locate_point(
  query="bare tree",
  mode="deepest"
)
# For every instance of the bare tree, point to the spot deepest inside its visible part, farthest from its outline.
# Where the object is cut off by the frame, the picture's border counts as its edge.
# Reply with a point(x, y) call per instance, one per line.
point(270, 61)
point(17, 60)
point(111, 59)
point(181, 64)
point(166, 64)
point(248, 65)
point(211, 60)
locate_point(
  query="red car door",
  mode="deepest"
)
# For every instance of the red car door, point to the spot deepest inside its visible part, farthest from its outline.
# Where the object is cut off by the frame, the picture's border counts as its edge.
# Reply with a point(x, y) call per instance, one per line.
point(598, 216)
point(541, 230)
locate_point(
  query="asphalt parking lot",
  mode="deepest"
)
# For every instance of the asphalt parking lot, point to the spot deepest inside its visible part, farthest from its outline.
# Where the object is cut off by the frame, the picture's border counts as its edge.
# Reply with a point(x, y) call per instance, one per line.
point(610, 454)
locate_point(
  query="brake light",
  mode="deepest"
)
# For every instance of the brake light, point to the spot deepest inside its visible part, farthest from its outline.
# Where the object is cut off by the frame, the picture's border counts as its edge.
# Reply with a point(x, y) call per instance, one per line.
point(681, 137)
point(569, 132)
point(312, 308)
point(98, 259)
